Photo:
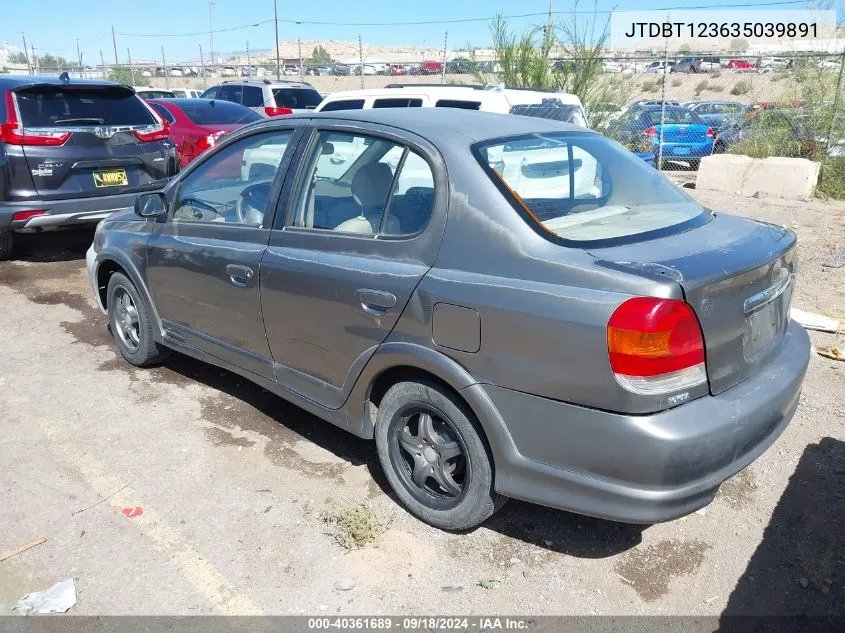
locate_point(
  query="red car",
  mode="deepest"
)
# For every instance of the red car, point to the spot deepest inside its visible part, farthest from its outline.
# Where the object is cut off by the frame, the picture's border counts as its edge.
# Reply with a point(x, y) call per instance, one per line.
point(431, 68)
point(740, 64)
point(197, 124)
point(398, 69)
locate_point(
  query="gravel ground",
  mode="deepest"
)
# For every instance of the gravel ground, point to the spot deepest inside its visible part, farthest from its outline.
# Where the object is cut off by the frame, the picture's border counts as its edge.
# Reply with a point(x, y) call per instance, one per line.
point(233, 486)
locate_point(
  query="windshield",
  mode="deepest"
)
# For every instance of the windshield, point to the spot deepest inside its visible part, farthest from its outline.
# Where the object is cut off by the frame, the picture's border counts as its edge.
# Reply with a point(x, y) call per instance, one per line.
point(586, 188)
point(50, 106)
point(219, 113)
point(296, 98)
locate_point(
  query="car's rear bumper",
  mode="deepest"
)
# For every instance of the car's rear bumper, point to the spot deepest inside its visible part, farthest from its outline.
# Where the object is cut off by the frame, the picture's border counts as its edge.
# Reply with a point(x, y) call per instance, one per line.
point(63, 212)
point(642, 468)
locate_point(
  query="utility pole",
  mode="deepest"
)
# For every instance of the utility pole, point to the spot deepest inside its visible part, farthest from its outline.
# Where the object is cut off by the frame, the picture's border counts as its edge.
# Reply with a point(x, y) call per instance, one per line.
point(166, 72)
point(131, 70)
point(26, 54)
point(210, 33)
point(276, 24)
point(103, 63)
point(79, 57)
point(114, 43)
point(202, 69)
point(35, 63)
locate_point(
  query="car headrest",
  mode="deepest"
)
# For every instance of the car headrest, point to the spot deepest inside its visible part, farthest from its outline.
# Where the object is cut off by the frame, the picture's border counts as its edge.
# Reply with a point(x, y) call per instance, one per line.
point(371, 184)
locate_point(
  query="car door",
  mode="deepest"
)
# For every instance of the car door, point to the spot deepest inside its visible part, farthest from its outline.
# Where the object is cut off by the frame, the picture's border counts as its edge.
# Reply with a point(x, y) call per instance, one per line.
point(203, 261)
point(345, 258)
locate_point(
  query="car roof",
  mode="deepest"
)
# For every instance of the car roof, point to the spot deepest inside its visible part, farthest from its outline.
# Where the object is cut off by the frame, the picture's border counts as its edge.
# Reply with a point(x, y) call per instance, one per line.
point(15, 81)
point(273, 83)
point(475, 92)
point(445, 125)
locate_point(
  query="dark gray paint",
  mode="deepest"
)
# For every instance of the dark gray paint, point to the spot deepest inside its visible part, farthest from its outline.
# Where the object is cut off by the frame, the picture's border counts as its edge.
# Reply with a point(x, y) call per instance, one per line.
point(562, 431)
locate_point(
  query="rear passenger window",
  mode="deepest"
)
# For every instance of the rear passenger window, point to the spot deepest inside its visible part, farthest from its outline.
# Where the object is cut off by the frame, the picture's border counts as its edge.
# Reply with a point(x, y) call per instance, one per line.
point(456, 103)
point(211, 93)
point(397, 103)
point(413, 197)
point(230, 93)
point(253, 97)
point(349, 104)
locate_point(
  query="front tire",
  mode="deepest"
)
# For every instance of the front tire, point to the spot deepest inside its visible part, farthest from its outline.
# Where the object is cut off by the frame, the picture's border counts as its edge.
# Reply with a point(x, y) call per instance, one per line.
point(130, 323)
point(432, 451)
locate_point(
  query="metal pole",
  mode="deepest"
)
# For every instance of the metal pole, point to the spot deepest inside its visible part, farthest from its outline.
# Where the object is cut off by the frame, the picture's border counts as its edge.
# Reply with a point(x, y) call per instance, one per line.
point(166, 72)
point(103, 63)
point(114, 43)
point(210, 33)
point(79, 56)
point(443, 68)
point(131, 70)
point(836, 99)
point(276, 24)
point(248, 61)
point(299, 45)
point(663, 104)
point(361, 59)
point(202, 69)
point(35, 65)
point(26, 54)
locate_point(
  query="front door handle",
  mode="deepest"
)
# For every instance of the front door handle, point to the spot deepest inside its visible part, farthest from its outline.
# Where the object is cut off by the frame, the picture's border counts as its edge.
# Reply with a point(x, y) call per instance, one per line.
point(376, 302)
point(239, 275)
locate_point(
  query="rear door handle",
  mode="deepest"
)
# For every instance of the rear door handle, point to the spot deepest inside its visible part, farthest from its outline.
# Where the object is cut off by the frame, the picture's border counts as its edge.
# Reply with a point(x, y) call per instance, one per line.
point(239, 275)
point(376, 302)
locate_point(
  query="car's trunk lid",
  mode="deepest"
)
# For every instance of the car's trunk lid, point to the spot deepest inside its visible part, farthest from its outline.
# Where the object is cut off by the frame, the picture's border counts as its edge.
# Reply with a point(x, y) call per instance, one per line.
point(102, 155)
point(736, 274)
point(683, 133)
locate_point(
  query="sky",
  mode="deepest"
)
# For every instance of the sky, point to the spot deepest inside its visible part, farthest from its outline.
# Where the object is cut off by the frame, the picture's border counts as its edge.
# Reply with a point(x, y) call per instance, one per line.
point(54, 25)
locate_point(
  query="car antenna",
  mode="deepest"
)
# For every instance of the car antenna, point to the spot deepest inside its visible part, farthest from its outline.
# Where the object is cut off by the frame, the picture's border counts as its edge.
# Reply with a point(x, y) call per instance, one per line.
point(64, 77)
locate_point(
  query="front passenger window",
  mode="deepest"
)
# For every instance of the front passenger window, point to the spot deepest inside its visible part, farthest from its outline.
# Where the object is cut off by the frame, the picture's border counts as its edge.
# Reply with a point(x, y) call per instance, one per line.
point(233, 186)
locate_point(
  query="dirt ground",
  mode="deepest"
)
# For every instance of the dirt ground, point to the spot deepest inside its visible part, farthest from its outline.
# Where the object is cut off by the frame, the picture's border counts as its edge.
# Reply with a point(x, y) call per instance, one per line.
point(186, 490)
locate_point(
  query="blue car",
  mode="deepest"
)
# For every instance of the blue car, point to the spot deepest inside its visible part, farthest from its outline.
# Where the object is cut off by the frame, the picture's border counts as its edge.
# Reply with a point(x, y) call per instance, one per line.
point(685, 136)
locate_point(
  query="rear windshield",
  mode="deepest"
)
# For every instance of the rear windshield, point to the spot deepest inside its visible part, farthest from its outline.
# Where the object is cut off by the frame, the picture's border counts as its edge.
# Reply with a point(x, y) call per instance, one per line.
point(586, 188)
point(296, 98)
point(57, 107)
point(556, 112)
point(156, 94)
point(219, 112)
point(672, 115)
point(456, 103)
point(349, 104)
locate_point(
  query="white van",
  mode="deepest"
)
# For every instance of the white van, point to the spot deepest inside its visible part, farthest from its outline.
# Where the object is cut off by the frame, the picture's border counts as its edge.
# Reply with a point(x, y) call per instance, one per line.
point(490, 98)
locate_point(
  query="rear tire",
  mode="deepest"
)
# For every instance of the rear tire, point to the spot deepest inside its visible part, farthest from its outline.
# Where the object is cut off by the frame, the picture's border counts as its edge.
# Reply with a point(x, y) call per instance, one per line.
point(432, 451)
point(7, 243)
point(130, 323)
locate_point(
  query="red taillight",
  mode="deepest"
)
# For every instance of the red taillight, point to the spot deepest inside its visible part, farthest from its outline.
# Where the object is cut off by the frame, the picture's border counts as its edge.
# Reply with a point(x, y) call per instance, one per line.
point(274, 111)
point(12, 133)
point(656, 345)
point(652, 131)
point(156, 132)
point(710, 133)
point(20, 216)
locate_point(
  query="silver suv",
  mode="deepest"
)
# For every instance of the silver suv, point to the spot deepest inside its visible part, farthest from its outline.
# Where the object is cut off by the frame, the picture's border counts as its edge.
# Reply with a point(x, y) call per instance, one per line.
point(267, 97)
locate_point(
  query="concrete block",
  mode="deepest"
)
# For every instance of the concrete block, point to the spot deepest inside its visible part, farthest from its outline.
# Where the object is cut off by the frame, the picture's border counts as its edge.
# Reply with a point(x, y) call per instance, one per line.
point(793, 178)
point(722, 172)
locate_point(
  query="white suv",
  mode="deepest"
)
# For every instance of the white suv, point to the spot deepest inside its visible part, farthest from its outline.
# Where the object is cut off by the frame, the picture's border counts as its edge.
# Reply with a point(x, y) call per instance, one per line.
point(268, 98)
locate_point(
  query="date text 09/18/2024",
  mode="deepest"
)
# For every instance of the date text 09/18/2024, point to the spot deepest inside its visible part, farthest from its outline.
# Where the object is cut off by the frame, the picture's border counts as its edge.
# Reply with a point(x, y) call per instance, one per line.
point(419, 623)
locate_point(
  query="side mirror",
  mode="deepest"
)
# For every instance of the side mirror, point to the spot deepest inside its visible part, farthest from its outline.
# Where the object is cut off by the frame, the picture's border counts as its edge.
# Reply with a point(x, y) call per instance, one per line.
point(151, 205)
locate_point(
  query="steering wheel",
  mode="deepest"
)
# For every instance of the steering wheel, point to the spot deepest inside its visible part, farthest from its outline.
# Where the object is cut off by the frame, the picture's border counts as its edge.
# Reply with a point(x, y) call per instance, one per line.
point(193, 209)
point(252, 202)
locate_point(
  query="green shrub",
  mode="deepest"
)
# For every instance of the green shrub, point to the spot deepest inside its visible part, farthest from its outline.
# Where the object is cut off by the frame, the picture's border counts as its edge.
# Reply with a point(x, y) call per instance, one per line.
point(717, 88)
point(701, 86)
point(651, 86)
point(716, 74)
point(832, 179)
point(676, 82)
point(742, 87)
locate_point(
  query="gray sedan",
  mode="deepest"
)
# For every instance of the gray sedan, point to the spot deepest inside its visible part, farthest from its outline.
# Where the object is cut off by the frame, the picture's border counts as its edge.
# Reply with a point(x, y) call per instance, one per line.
point(507, 306)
